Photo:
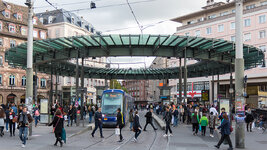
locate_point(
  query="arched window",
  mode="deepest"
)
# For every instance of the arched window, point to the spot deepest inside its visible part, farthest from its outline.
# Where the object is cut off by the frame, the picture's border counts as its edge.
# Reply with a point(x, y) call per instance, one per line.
point(50, 19)
point(23, 81)
point(11, 80)
point(43, 83)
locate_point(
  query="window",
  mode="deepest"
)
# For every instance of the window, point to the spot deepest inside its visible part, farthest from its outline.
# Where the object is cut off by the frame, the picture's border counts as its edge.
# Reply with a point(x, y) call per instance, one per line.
point(233, 11)
point(187, 34)
point(224, 13)
point(247, 37)
point(1, 42)
point(232, 38)
point(212, 16)
point(34, 20)
point(1, 60)
point(250, 6)
point(262, 19)
point(43, 82)
point(11, 80)
point(23, 30)
point(19, 17)
point(1, 26)
point(41, 20)
point(23, 81)
point(50, 19)
point(12, 28)
point(232, 25)
point(247, 22)
point(35, 34)
point(42, 35)
point(197, 33)
point(209, 30)
point(263, 48)
point(262, 34)
point(12, 43)
point(7, 14)
point(0, 79)
point(263, 3)
point(220, 28)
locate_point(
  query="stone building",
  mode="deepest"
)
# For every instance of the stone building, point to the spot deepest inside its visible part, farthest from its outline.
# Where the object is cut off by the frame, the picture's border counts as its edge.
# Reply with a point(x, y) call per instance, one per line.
point(13, 31)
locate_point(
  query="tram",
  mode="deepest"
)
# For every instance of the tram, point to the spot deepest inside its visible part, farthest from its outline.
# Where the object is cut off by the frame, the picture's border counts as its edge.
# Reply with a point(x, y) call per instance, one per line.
point(112, 100)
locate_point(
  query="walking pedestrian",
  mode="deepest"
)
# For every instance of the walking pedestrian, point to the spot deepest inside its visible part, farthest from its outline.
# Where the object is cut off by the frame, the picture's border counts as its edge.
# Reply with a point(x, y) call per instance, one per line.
point(225, 131)
point(58, 125)
point(24, 119)
point(98, 122)
point(175, 116)
point(131, 119)
point(36, 114)
point(212, 120)
point(195, 122)
point(149, 119)
point(11, 116)
point(120, 122)
point(90, 112)
point(203, 122)
point(70, 115)
point(136, 126)
point(168, 118)
point(2, 122)
point(213, 109)
point(249, 119)
point(7, 118)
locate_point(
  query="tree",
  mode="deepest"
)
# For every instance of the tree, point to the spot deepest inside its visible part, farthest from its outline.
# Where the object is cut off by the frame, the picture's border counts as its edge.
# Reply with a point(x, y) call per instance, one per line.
point(115, 84)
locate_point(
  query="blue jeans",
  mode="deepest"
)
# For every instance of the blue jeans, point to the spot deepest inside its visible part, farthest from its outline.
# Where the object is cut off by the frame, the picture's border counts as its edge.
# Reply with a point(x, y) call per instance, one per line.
point(131, 125)
point(90, 118)
point(23, 133)
point(36, 118)
point(137, 133)
point(175, 123)
point(7, 125)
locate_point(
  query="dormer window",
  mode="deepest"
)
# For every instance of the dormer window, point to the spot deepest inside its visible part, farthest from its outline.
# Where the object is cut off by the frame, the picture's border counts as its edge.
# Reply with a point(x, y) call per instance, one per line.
point(72, 20)
point(1, 26)
point(42, 20)
point(34, 20)
point(18, 16)
point(50, 19)
point(6, 13)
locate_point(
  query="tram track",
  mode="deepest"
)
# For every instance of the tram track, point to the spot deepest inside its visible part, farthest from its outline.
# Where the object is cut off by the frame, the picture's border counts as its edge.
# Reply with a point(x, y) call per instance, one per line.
point(95, 143)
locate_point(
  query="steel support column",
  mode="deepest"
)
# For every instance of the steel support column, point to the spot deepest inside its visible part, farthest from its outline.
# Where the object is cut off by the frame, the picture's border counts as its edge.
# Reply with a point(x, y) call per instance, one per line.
point(77, 82)
point(218, 91)
point(180, 80)
point(185, 77)
point(231, 95)
point(82, 93)
point(239, 76)
point(50, 102)
point(212, 89)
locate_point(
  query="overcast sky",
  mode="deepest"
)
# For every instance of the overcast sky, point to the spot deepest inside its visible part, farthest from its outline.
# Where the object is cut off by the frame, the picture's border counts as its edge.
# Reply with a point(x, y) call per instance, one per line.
point(115, 15)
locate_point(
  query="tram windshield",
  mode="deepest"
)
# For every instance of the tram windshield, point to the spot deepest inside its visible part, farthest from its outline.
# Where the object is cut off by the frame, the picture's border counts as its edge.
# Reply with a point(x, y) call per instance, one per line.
point(111, 102)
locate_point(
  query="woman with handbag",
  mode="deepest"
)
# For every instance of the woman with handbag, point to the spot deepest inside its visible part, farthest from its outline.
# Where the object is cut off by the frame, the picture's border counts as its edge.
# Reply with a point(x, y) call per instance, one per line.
point(58, 125)
point(12, 120)
point(2, 123)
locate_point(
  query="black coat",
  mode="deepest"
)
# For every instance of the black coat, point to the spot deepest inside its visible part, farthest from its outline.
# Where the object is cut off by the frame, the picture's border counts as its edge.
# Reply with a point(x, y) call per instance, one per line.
point(249, 118)
point(225, 127)
point(136, 123)
point(98, 117)
point(119, 119)
point(168, 117)
point(148, 117)
point(57, 124)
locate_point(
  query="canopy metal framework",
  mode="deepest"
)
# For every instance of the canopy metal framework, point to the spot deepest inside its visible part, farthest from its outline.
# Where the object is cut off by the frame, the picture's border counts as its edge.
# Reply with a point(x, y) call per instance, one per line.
point(214, 56)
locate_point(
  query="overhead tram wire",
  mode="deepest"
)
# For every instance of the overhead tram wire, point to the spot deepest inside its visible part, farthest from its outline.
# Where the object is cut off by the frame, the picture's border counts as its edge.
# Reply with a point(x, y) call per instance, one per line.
point(135, 18)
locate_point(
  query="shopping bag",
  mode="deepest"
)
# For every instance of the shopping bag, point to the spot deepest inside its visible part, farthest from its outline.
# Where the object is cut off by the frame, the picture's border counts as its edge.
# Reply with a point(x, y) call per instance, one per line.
point(117, 131)
point(199, 127)
point(63, 136)
point(253, 125)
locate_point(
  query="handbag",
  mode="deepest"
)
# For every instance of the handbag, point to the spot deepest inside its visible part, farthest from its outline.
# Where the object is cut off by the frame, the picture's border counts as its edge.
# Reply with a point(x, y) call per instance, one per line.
point(63, 135)
point(199, 127)
point(117, 131)
point(15, 119)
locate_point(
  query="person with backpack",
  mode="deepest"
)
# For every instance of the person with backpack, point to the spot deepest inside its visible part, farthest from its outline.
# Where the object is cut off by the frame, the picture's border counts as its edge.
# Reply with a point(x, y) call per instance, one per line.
point(195, 122)
point(36, 114)
point(24, 119)
point(149, 119)
point(249, 119)
point(203, 122)
point(120, 122)
point(136, 126)
point(131, 119)
point(212, 119)
point(58, 125)
point(175, 116)
point(225, 131)
point(168, 118)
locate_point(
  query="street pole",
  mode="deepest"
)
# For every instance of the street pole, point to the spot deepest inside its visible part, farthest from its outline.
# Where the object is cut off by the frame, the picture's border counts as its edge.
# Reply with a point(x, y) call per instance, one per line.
point(180, 80)
point(77, 83)
point(218, 91)
point(212, 90)
point(239, 75)
point(231, 94)
point(29, 71)
point(82, 94)
point(185, 77)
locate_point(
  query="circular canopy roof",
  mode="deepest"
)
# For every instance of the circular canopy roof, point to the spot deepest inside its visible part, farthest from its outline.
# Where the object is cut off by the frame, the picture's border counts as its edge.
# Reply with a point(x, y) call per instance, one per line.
point(214, 56)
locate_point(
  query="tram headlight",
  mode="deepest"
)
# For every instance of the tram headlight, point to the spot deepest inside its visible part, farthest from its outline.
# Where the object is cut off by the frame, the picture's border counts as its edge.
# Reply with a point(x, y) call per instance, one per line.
point(103, 115)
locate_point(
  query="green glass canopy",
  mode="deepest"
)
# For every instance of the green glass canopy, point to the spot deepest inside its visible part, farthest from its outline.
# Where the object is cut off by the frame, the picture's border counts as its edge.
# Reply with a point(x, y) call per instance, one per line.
point(214, 56)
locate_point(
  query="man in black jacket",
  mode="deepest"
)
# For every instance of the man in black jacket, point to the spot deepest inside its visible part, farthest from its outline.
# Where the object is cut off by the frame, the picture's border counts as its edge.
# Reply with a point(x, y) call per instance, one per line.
point(149, 119)
point(98, 122)
point(168, 119)
point(120, 122)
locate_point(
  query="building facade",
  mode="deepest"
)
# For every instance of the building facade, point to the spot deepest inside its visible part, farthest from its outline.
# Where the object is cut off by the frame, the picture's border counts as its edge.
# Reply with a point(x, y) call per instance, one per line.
point(13, 31)
point(138, 89)
point(61, 23)
point(217, 20)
